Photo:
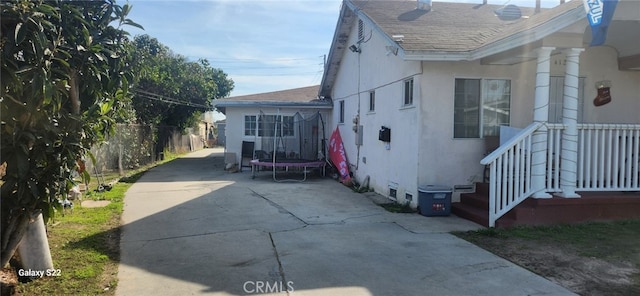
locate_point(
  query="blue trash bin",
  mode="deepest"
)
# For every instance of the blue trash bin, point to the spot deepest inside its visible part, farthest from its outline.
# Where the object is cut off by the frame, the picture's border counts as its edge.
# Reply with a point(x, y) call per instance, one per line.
point(434, 200)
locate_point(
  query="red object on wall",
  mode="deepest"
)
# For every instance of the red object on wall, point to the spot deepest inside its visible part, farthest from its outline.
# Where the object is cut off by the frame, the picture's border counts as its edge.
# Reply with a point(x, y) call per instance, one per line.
point(338, 156)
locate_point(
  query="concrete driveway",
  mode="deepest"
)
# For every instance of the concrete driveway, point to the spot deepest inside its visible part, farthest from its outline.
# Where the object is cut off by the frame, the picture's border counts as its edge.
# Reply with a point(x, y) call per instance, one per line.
point(191, 228)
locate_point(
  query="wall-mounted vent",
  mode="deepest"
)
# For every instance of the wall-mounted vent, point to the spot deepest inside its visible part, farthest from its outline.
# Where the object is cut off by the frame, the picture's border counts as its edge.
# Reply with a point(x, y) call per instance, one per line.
point(360, 30)
point(408, 197)
point(463, 188)
point(393, 190)
point(509, 13)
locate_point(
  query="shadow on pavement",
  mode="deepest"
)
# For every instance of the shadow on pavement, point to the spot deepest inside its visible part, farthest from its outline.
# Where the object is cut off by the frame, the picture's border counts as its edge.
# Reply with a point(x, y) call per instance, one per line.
point(191, 228)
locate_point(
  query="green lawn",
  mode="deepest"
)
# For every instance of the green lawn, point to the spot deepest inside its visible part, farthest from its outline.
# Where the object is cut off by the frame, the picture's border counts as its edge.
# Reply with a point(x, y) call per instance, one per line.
point(85, 246)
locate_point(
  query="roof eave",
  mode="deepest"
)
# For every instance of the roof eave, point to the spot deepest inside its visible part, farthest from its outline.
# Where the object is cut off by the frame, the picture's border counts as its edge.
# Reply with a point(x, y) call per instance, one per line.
point(318, 104)
point(444, 56)
point(330, 70)
point(342, 27)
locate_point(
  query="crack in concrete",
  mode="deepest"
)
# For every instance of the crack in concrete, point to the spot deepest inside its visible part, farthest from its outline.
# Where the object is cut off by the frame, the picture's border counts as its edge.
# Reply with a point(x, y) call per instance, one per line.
point(407, 230)
point(358, 217)
point(280, 267)
point(306, 223)
point(188, 235)
point(292, 229)
point(280, 208)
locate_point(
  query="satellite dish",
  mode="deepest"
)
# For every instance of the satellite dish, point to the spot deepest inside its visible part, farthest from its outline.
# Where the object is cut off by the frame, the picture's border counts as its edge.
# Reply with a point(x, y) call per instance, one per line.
point(509, 13)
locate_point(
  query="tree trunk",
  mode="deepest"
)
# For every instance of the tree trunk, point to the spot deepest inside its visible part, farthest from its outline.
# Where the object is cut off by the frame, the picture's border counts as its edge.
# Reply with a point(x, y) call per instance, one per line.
point(120, 162)
point(74, 92)
point(12, 236)
point(34, 247)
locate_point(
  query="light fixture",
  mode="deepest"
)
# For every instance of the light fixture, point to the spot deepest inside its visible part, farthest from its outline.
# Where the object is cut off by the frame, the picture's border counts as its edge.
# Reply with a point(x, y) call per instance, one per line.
point(392, 50)
point(354, 48)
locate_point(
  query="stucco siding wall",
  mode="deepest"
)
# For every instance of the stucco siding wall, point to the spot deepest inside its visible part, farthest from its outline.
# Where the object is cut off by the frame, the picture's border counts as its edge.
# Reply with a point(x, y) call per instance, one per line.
point(235, 125)
point(375, 70)
point(449, 161)
point(234, 131)
point(600, 63)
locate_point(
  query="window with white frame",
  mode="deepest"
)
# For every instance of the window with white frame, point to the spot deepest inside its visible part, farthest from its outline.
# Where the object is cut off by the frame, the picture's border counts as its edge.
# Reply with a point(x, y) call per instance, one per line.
point(250, 125)
point(481, 106)
point(281, 125)
point(408, 92)
point(287, 126)
point(341, 110)
point(372, 101)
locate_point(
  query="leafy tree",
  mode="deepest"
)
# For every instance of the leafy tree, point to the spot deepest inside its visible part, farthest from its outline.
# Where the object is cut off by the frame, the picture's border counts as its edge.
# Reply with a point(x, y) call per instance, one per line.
point(64, 82)
point(173, 90)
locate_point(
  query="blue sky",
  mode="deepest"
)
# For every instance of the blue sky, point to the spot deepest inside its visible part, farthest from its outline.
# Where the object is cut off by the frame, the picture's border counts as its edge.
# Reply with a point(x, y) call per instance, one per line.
point(263, 45)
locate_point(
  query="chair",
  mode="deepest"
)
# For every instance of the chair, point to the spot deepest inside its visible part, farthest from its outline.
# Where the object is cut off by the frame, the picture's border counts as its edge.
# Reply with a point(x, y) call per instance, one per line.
point(247, 152)
point(261, 155)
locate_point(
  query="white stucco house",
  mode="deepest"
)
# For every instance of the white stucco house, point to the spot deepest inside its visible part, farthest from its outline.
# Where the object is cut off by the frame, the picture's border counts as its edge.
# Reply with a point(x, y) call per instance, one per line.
point(443, 77)
point(244, 113)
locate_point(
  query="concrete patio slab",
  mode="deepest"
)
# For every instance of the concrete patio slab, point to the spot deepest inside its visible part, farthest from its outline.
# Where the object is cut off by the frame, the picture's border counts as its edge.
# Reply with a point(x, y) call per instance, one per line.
point(190, 228)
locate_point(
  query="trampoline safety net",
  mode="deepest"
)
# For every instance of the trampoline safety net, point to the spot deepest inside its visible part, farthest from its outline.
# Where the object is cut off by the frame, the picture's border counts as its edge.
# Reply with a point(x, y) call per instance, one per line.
point(290, 137)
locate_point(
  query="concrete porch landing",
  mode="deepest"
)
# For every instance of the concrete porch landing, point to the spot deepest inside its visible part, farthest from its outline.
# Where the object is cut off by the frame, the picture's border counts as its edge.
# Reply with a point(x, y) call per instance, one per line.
point(190, 228)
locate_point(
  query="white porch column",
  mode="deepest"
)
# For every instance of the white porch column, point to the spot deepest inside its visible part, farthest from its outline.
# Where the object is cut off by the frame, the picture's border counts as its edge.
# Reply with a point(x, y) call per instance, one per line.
point(569, 152)
point(541, 114)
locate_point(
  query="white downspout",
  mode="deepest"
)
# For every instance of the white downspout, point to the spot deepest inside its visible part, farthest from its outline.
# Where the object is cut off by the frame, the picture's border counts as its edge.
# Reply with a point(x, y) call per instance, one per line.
point(541, 114)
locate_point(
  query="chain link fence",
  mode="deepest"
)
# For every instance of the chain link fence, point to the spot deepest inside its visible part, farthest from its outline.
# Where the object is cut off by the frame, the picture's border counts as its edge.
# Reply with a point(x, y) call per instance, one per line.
point(134, 145)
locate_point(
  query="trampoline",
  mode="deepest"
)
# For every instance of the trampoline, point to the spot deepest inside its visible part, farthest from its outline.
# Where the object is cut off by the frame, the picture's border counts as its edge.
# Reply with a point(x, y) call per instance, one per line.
point(289, 143)
point(285, 164)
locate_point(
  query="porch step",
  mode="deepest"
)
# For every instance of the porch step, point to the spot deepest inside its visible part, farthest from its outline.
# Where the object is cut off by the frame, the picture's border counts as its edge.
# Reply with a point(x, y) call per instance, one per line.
point(481, 216)
point(478, 200)
point(470, 213)
point(474, 206)
point(592, 206)
point(482, 189)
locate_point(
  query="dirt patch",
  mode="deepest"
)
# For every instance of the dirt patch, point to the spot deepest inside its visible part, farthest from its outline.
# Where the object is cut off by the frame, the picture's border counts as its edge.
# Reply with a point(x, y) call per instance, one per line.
point(95, 203)
point(566, 266)
point(8, 281)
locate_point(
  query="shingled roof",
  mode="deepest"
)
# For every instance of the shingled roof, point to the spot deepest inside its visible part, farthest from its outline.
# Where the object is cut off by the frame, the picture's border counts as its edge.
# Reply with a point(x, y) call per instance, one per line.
point(453, 27)
point(302, 94)
point(297, 97)
point(447, 31)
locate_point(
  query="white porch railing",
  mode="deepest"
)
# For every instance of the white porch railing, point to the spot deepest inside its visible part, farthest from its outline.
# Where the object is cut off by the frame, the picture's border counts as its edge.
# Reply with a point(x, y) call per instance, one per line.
point(510, 173)
point(608, 157)
point(608, 160)
point(554, 139)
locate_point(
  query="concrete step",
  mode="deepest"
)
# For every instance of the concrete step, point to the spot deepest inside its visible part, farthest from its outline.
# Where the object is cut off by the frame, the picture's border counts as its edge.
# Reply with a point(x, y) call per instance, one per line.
point(470, 213)
point(477, 200)
point(482, 188)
